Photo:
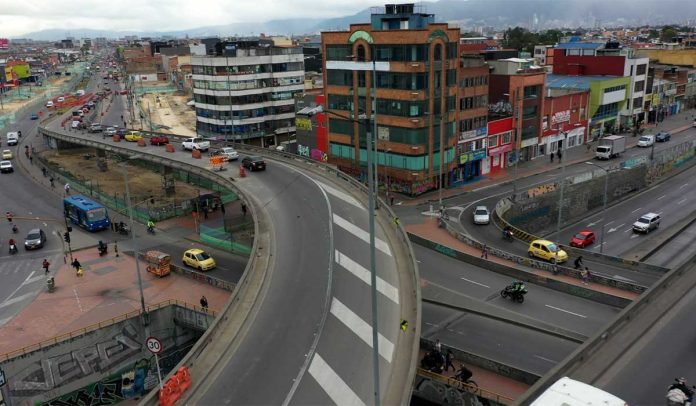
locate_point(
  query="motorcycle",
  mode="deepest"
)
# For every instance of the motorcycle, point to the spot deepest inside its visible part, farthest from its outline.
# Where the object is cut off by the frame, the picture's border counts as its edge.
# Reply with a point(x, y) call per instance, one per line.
point(151, 230)
point(15, 229)
point(13, 248)
point(510, 293)
point(678, 393)
point(102, 248)
point(123, 229)
point(508, 235)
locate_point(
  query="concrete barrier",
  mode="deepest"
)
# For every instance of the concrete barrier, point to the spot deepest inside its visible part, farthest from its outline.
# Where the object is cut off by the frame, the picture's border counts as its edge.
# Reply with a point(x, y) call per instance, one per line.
point(515, 273)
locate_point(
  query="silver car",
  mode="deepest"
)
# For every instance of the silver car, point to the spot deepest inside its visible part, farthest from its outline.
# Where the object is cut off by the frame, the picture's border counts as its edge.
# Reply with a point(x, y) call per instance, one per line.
point(481, 215)
point(35, 239)
point(110, 131)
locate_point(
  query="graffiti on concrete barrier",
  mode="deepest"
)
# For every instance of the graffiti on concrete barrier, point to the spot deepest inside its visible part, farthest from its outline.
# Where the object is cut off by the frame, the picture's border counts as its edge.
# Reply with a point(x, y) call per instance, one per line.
point(127, 384)
point(541, 190)
point(49, 373)
point(445, 250)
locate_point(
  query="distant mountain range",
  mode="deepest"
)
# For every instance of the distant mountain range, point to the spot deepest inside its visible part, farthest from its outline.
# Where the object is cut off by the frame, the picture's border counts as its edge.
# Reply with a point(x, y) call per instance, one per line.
point(468, 14)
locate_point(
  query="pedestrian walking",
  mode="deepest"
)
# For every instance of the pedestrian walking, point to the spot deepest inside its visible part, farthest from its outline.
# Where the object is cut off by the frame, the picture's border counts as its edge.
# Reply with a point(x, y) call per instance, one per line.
point(438, 346)
point(551, 156)
point(560, 156)
point(244, 209)
point(67, 189)
point(43, 171)
point(391, 200)
point(76, 264)
point(31, 159)
point(448, 361)
point(53, 186)
point(484, 251)
point(578, 262)
point(586, 276)
point(204, 303)
point(583, 276)
point(45, 266)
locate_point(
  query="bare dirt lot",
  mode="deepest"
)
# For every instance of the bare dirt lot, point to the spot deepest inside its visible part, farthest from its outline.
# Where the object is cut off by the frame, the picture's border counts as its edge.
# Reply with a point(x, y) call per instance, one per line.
point(143, 183)
point(170, 110)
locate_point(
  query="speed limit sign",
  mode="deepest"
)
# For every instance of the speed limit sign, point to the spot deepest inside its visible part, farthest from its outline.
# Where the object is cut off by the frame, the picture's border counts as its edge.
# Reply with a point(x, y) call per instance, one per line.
point(154, 345)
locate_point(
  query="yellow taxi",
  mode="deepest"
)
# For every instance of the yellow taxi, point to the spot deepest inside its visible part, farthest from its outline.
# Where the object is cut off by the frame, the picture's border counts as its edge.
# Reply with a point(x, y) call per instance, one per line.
point(133, 136)
point(199, 259)
point(547, 250)
point(7, 154)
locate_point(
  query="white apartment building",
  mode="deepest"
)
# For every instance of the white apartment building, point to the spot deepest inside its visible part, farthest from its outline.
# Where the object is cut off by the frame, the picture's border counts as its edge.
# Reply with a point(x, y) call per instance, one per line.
point(246, 92)
point(637, 70)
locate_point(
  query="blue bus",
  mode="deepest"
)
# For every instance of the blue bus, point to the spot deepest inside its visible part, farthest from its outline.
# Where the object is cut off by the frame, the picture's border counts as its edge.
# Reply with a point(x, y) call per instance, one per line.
point(86, 213)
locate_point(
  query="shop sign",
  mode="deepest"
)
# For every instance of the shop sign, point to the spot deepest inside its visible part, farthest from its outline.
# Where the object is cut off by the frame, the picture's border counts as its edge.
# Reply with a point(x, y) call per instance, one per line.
point(560, 117)
point(500, 150)
point(482, 132)
point(383, 133)
point(466, 135)
point(472, 156)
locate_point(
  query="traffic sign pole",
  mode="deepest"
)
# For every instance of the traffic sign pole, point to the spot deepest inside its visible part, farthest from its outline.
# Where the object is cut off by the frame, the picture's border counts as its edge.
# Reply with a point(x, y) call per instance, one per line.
point(154, 345)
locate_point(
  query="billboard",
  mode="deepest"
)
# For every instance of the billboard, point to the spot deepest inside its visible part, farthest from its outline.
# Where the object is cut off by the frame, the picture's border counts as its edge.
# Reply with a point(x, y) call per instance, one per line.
point(4, 43)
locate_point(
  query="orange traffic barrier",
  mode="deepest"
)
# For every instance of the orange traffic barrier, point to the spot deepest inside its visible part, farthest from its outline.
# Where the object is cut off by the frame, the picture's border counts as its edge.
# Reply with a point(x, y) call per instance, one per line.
point(196, 154)
point(166, 396)
point(184, 379)
point(242, 171)
point(116, 138)
point(142, 143)
point(169, 148)
point(174, 390)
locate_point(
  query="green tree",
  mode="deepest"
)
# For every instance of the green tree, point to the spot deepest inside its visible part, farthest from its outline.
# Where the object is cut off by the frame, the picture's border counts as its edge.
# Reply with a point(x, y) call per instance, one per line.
point(668, 33)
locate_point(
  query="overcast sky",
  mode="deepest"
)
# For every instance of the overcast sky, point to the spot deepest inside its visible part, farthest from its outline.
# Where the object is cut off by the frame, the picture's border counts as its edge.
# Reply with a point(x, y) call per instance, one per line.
point(20, 17)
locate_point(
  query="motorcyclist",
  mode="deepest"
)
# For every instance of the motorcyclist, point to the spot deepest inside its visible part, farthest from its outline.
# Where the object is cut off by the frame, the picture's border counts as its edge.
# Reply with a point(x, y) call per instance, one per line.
point(14, 228)
point(13, 245)
point(150, 225)
point(678, 393)
point(518, 287)
point(507, 232)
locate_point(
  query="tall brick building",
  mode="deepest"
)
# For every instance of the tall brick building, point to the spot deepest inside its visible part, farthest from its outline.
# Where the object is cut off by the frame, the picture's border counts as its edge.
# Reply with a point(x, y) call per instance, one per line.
point(415, 94)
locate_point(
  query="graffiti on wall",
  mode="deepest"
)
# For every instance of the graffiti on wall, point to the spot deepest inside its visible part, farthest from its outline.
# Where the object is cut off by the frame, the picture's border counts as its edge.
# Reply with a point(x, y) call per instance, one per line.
point(541, 190)
point(131, 382)
point(49, 373)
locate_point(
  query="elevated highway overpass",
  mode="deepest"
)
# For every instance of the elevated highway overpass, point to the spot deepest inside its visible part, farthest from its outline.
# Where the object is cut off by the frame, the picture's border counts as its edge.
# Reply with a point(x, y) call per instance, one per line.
point(297, 329)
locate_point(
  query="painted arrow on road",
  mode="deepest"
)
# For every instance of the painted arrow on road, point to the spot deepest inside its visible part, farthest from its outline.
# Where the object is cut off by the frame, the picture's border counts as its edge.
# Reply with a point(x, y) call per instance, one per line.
point(611, 230)
point(592, 224)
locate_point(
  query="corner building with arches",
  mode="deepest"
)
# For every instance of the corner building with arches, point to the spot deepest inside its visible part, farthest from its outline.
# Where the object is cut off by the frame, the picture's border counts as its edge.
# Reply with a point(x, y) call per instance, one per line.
point(416, 65)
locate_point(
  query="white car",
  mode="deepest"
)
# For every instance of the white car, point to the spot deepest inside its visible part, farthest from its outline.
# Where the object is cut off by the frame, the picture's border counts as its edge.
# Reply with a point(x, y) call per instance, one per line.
point(61, 99)
point(75, 124)
point(481, 215)
point(229, 153)
point(646, 140)
point(49, 104)
point(6, 167)
point(110, 131)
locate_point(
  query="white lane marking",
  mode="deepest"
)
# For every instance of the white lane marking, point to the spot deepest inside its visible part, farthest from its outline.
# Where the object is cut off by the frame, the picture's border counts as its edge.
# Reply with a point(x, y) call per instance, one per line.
point(14, 300)
point(634, 236)
point(661, 197)
point(364, 275)
point(34, 279)
point(332, 384)
point(77, 297)
point(630, 229)
point(360, 233)
point(476, 283)
point(683, 186)
point(682, 201)
point(341, 195)
point(566, 311)
point(361, 328)
point(546, 359)
point(606, 224)
point(636, 210)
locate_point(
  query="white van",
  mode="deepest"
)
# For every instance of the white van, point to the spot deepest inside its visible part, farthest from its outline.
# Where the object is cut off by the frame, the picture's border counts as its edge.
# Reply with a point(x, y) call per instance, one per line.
point(12, 138)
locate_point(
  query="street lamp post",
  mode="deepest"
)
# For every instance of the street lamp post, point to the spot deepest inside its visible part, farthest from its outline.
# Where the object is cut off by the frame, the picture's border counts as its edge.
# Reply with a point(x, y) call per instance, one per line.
point(143, 310)
point(560, 206)
point(604, 203)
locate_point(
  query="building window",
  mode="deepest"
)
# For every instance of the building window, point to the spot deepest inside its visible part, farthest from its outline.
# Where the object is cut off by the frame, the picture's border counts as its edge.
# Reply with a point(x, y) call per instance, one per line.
point(640, 69)
point(614, 88)
point(339, 77)
point(506, 137)
point(493, 141)
point(531, 92)
point(639, 86)
point(637, 102)
point(337, 52)
point(473, 123)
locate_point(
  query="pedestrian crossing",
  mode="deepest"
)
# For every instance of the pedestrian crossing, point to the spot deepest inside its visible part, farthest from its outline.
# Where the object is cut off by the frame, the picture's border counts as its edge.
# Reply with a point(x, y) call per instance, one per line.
point(23, 279)
point(333, 366)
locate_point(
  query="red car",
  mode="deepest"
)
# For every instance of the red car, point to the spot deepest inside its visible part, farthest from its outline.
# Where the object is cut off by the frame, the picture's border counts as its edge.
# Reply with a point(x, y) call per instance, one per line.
point(124, 91)
point(583, 239)
point(159, 140)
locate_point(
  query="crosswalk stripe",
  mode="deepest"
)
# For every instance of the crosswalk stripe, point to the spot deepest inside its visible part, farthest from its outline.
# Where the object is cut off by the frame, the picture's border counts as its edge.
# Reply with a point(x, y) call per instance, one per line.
point(363, 274)
point(332, 384)
point(34, 279)
point(17, 299)
point(341, 195)
point(361, 328)
point(360, 233)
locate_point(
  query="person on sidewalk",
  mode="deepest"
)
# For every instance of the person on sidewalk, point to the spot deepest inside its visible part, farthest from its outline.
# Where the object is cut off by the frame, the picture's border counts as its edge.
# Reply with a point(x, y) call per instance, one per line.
point(76, 264)
point(448, 361)
point(45, 266)
point(551, 156)
point(67, 189)
point(484, 251)
point(586, 275)
point(560, 156)
point(438, 346)
point(244, 209)
point(204, 304)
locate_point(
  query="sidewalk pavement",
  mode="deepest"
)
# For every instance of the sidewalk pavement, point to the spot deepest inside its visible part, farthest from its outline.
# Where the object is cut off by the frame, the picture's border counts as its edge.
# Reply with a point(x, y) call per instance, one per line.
point(428, 229)
point(674, 124)
point(487, 380)
point(108, 288)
